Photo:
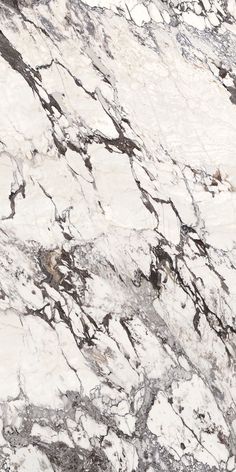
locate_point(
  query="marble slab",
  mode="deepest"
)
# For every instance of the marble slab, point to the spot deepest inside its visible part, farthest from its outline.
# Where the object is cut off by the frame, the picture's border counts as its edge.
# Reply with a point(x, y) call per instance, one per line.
point(117, 236)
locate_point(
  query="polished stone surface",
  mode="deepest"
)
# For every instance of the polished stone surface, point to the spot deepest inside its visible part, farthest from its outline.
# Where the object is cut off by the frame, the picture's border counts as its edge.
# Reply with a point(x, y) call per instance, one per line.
point(117, 236)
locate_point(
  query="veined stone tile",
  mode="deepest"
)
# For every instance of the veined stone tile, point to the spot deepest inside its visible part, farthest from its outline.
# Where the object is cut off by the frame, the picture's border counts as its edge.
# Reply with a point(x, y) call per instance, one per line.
point(117, 236)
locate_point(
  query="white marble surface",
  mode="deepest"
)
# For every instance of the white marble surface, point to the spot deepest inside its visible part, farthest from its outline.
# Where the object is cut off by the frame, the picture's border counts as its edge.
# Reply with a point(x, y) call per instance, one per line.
point(117, 236)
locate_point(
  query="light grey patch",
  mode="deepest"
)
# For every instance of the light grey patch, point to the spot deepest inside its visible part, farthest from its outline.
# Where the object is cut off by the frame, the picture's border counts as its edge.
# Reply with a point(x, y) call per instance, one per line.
point(51, 30)
point(12, 4)
point(14, 437)
point(90, 28)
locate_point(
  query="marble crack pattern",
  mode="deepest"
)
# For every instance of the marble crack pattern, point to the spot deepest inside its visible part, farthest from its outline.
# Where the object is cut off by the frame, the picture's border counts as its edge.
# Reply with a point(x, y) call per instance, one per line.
point(117, 236)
